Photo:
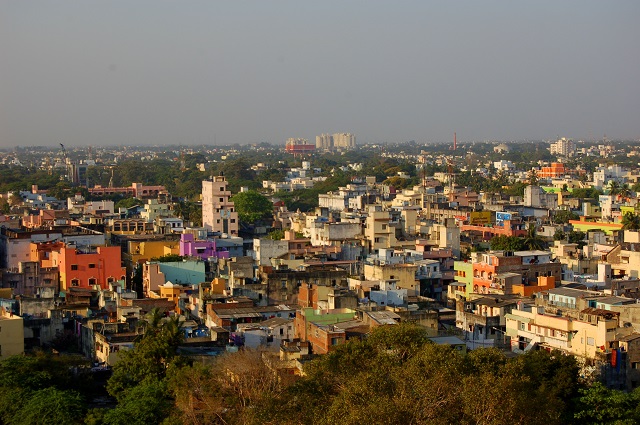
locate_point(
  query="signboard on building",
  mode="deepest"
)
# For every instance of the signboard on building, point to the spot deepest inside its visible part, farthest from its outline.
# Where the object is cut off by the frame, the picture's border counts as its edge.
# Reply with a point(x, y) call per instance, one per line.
point(501, 216)
point(479, 218)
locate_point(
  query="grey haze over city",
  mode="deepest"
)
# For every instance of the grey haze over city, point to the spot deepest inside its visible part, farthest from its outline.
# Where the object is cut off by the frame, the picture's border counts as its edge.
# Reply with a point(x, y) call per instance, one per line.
point(207, 72)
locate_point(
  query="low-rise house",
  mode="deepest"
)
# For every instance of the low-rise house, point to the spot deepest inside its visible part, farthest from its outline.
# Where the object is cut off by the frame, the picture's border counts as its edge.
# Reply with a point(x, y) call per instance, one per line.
point(325, 338)
point(482, 319)
point(230, 318)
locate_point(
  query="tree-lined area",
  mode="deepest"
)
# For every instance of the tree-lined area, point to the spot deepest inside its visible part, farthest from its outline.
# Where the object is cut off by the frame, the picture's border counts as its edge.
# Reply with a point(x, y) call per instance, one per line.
point(395, 376)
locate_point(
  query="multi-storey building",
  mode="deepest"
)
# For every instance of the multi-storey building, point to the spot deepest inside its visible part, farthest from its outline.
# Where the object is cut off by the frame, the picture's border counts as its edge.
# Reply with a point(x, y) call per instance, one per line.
point(218, 211)
point(563, 147)
point(344, 140)
point(88, 268)
point(499, 272)
point(324, 141)
point(591, 333)
point(298, 146)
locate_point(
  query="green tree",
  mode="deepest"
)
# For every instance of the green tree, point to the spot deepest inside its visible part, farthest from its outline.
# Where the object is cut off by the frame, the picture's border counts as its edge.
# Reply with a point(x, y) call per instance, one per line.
point(276, 235)
point(506, 243)
point(34, 389)
point(600, 405)
point(252, 206)
point(169, 258)
point(584, 193)
point(563, 216)
point(150, 357)
point(51, 406)
point(532, 241)
point(145, 403)
point(128, 203)
point(577, 237)
point(631, 221)
point(614, 188)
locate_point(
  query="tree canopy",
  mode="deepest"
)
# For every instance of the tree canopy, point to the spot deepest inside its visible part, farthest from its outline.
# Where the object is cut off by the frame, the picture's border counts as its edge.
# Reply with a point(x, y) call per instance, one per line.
point(252, 206)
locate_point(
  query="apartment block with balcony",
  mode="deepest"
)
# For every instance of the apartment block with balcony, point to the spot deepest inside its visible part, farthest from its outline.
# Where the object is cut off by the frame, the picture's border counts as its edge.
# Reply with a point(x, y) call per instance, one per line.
point(590, 334)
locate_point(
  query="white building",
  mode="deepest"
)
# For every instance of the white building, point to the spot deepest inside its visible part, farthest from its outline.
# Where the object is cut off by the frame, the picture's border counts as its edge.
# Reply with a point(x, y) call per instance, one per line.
point(563, 147)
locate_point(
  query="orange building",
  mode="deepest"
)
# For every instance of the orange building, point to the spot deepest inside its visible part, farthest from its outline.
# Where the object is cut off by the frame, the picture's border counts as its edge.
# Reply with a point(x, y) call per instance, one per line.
point(41, 252)
point(499, 272)
point(555, 171)
point(99, 266)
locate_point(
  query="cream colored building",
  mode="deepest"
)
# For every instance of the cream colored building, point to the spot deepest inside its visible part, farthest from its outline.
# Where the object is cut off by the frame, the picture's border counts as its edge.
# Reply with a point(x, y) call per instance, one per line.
point(592, 333)
point(218, 211)
point(403, 275)
point(378, 230)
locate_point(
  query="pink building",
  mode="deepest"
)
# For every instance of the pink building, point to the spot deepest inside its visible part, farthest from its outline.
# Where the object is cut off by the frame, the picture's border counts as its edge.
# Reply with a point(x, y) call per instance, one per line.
point(189, 247)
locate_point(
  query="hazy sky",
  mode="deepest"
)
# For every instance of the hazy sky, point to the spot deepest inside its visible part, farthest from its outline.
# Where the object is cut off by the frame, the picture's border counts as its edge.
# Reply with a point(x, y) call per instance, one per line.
point(156, 72)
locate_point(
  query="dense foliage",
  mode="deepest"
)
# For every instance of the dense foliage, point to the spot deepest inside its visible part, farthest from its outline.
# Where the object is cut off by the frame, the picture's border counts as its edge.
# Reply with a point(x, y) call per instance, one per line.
point(395, 376)
point(252, 206)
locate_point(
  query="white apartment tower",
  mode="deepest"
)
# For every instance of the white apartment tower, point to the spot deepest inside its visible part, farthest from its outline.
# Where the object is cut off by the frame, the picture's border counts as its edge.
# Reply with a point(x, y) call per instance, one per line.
point(218, 211)
point(336, 140)
point(563, 147)
point(324, 141)
point(344, 140)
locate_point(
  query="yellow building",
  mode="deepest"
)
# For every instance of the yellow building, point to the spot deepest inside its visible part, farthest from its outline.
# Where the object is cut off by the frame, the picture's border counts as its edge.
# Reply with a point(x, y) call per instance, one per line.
point(173, 292)
point(11, 334)
point(141, 251)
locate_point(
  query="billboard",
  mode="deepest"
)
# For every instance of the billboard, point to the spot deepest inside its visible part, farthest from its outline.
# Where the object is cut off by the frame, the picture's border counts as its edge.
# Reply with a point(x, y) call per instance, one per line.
point(479, 218)
point(501, 216)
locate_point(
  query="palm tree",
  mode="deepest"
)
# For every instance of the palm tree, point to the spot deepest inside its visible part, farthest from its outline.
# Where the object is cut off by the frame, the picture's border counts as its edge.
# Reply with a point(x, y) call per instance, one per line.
point(532, 241)
point(614, 188)
point(631, 221)
point(624, 191)
point(154, 321)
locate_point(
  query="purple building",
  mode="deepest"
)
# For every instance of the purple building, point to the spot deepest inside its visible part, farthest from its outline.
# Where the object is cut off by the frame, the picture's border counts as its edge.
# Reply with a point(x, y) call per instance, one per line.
point(189, 247)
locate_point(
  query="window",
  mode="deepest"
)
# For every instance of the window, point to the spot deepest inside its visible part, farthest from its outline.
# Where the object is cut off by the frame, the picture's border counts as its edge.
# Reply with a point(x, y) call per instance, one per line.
point(221, 199)
point(92, 266)
point(590, 341)
point(74, 267)
point(521, 326)
point(93, 281)
point(75, 282)
point(283, 284)
point(335, 341)
point(233, 220)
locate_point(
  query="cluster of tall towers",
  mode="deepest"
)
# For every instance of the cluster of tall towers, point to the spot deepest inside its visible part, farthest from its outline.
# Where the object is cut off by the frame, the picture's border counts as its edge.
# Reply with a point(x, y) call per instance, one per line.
point(335, 141)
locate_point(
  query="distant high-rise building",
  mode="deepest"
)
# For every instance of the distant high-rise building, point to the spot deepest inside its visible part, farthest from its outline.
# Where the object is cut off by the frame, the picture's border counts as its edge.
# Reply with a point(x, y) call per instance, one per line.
point(218, 211)
point(344, 140)
point(299, 146)
point(563, 147)
point(324, 141)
